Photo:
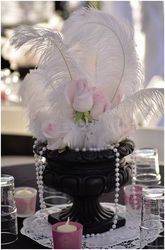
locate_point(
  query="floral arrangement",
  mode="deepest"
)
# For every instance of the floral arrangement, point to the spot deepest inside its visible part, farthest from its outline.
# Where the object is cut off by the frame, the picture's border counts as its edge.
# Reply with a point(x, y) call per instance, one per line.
point(86, 89)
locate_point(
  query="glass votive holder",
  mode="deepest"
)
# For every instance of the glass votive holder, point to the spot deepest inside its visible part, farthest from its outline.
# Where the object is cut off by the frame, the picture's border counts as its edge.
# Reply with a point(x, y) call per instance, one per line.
point(152, 234)
point(52, 197)
point(25, 198)
point(153, 203)
point(133, 198)
point(146, 166)
point(152, 218)
point(9, 227)
point(67, 235)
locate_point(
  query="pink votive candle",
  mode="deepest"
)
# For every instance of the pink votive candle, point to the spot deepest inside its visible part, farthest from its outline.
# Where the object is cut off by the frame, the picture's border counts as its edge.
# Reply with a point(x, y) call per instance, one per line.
point(133, 198)
point(25, 198)
point(67, 235)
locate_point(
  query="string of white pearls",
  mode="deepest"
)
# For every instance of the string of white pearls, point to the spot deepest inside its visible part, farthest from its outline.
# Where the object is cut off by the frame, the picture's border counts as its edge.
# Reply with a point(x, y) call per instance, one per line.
point(92, 149)
point(133, 166)
point(40, 166)
point(117, 189)
point(117, 185)
point(40, 163)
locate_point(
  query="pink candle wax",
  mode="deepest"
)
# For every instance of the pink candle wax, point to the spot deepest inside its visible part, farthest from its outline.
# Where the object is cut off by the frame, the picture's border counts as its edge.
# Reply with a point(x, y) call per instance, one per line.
point(133, 198)
point(67, 235)
point(25, 198)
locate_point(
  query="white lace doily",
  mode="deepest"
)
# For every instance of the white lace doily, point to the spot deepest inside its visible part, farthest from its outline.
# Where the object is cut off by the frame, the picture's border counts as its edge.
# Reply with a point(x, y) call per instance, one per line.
point(38, 229)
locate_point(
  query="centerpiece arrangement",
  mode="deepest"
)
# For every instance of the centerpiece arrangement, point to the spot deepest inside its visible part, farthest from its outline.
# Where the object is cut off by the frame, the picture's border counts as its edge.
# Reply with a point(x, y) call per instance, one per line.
point(83, 99)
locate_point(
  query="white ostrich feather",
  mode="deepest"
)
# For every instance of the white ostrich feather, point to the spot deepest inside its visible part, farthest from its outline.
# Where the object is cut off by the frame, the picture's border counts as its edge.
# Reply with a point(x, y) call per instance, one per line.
point(34, 93)
point(55, 66)
point(115, 62)
point(54, 57)
point(139, 107)
point(88, 63)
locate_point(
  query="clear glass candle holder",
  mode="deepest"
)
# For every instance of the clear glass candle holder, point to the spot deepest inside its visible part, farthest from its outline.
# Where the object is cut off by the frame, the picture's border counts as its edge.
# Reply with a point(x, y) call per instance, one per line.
point(146, 167)
point(151, 234)
point(9, 227)
point(52, 197)
point(152, 218)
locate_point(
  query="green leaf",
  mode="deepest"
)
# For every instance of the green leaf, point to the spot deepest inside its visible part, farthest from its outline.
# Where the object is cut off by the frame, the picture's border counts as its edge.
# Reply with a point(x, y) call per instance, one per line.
point(82, 117)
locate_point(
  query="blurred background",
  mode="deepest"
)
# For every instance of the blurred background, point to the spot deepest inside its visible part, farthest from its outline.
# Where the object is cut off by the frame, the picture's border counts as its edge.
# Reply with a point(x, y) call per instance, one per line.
point(147, 20)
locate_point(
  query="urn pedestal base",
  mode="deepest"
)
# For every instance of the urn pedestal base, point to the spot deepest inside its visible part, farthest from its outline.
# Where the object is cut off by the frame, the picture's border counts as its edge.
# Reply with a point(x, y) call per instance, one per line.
point(85, 176)
point(90, 213)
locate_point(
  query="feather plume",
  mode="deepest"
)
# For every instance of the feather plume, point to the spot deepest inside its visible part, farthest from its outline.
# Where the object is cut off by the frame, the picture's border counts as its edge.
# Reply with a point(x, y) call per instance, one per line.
point(53, 53)
point(55, 66)
point(139, 107)
point(34, 93)
point(112, 40)
point(88, 63)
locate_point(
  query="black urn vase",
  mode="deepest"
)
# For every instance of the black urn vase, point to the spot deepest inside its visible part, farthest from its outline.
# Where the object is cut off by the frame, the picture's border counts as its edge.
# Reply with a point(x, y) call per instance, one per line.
point(85, 176)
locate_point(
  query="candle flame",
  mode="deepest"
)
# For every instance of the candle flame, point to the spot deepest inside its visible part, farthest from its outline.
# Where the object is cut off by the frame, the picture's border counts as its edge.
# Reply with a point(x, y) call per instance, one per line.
point(68, 220)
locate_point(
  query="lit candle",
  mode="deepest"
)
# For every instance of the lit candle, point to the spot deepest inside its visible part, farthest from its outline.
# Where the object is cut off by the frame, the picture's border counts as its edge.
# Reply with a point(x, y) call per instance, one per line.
point(25, 198)
point(66, 228)
point(67, 235)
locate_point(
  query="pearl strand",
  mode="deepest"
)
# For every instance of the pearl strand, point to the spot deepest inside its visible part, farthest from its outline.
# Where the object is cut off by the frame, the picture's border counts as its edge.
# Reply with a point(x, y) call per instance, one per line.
point(117, 189)
point(133, 166)
point(117, 186)
point(40, 166)
point(92, 149)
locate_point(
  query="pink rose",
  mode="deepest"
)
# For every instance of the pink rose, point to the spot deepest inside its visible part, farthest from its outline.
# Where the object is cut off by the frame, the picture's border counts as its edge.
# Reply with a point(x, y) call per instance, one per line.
point(100, 105)
point(49, 129)
point(54, 134)
point(80, 95)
